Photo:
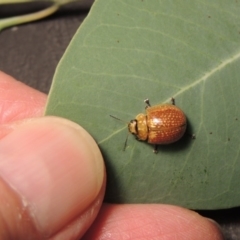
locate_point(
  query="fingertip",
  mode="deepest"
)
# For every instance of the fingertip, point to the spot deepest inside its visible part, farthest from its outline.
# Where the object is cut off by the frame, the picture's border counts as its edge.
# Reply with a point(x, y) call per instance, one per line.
point(56, 168)
point(152, 221)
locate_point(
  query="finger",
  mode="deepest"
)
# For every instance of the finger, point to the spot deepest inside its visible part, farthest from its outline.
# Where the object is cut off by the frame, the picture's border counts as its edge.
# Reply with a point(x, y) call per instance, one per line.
point(18, 101)
point(155, 221)
point(53, 179)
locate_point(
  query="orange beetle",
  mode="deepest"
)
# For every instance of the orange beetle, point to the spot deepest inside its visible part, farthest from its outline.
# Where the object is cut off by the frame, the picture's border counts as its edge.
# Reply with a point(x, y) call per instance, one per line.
point(162, 124)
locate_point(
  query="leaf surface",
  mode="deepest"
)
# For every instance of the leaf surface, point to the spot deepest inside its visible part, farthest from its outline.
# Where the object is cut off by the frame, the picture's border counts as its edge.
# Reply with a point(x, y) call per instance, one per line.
point(127, 51)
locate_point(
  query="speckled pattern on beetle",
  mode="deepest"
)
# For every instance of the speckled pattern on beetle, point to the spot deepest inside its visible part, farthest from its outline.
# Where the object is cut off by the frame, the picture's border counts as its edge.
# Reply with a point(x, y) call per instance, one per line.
point(162, 124)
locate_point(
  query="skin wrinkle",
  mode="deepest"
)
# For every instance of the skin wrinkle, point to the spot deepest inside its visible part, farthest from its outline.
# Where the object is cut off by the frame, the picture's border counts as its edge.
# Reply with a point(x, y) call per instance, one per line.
point(186, 232)
point(9, 114)
point(21, 224)
point(147, 225)
point(18, 101)
point(132, 231)
point(154, 222)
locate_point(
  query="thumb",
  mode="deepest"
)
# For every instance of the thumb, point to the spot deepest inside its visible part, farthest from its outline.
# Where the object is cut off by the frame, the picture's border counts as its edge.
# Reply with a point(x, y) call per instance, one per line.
point(51, 180)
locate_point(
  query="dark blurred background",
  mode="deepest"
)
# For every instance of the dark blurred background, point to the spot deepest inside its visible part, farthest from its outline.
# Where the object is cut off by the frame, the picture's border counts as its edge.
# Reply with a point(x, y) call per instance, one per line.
point(31, 52)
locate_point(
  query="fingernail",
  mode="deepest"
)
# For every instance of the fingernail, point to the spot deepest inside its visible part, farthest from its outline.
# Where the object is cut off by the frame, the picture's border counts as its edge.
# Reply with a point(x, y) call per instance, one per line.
point(55, 167)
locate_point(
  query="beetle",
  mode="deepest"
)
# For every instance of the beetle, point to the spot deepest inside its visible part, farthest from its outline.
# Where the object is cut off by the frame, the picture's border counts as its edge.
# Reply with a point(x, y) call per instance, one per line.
point(162, 124)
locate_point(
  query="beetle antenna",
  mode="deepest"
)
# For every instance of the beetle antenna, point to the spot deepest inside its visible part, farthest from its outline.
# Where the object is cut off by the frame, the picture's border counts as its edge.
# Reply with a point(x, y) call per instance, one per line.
point(125, 143)
point(118, 119)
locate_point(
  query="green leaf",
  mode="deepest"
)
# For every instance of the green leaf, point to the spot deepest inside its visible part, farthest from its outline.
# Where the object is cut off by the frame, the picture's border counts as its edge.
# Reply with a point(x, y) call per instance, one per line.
point(127, 51)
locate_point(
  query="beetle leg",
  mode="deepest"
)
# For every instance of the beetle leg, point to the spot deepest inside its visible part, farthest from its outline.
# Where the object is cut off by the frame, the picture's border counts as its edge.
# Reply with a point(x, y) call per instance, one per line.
point(173, 101)
point(155, 150)
point(192, 135)
point(147, 102)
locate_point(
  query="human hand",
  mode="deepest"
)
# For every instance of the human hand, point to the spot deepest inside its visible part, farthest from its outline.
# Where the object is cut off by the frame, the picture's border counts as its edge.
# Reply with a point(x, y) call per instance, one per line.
point(52, 182)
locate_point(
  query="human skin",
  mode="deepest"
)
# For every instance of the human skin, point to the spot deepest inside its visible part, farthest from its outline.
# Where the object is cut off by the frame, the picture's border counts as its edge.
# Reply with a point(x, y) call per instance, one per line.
point(53, 189)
